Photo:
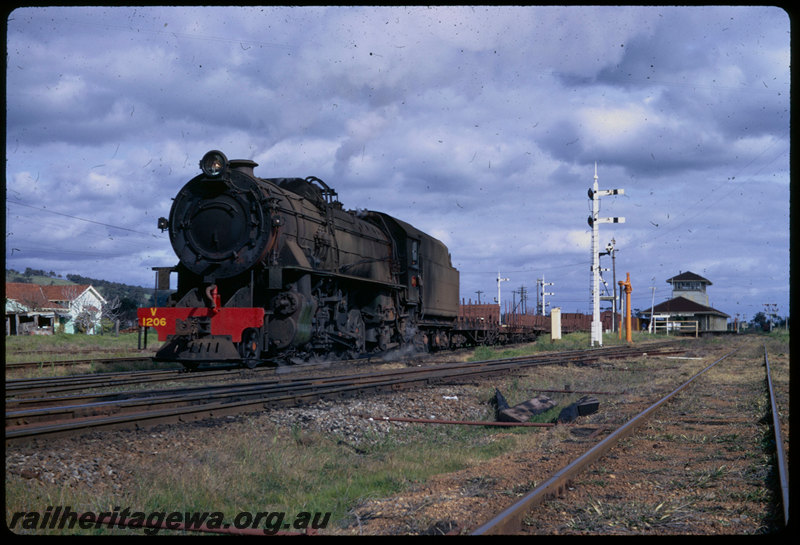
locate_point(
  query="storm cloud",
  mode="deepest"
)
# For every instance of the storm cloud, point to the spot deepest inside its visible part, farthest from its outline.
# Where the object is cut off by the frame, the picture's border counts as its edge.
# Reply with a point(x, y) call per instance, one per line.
point(479, 125)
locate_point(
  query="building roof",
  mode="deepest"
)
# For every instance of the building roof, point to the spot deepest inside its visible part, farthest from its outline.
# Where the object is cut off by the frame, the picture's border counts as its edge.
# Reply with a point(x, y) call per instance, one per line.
point(688, 276)
point(39, 297)
point(682, 305)
point(28, 295)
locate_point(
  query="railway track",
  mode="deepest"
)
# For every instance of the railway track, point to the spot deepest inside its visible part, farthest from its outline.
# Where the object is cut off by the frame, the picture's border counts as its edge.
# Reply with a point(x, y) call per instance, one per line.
point(57, 413)
point(555, 494)
point(680, 472)
point(50, 386)
point(780, 454)
point(42, 363)
point(40, 386)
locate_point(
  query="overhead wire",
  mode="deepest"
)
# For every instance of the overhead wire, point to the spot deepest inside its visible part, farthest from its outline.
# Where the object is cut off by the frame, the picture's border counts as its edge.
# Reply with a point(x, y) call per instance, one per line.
point(87, 248)
point(687, 215)
point(44, 209)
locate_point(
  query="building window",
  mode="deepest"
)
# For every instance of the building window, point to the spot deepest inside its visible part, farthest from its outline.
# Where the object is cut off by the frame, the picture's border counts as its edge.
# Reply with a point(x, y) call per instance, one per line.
point(689, 286)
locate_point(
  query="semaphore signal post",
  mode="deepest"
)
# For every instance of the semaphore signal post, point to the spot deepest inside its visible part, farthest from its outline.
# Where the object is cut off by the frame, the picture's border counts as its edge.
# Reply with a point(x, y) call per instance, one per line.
point(594, 221)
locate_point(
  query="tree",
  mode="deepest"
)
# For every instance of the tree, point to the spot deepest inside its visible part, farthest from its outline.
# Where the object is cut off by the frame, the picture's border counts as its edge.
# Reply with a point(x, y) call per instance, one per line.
point(85, 320)
point(113, 311)
point(760, 321)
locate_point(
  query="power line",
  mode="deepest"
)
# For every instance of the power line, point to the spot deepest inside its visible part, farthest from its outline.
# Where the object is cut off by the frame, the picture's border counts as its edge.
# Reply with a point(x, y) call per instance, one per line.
point(531, 270)
point(84, 219)
point(695, 210)
point(58, 251)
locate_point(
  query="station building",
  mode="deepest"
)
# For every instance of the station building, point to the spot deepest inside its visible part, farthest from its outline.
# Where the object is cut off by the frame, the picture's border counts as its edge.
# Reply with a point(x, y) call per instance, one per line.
point(688, 310)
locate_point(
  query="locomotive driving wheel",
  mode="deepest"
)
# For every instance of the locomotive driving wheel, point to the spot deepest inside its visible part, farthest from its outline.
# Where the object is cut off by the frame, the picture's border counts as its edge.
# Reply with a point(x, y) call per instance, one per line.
point(250, 347)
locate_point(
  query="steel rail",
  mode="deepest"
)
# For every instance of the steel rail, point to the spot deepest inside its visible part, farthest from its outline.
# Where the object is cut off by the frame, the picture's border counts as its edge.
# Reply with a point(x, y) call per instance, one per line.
point(509, 521)
point(305, 390)
point(136, 358)
point(192, 412)
point(783, 470)
point(66, 363)
point(84, 399)
point(83, 382)
point(21, 387)
point(460, 422)
point(17, 406)
point(72, 414)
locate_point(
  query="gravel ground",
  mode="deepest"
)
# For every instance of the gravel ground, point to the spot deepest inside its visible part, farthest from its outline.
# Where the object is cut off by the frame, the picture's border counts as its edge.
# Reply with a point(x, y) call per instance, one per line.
point(103, 463)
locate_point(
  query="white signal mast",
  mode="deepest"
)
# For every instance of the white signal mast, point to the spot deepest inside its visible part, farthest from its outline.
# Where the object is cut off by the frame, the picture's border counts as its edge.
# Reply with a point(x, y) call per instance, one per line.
point(594, 221)
point(541, 283)
point(500, 279)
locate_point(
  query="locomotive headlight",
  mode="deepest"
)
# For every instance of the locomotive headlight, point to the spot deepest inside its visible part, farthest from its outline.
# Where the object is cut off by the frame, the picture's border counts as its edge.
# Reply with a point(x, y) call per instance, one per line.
point(213, 163)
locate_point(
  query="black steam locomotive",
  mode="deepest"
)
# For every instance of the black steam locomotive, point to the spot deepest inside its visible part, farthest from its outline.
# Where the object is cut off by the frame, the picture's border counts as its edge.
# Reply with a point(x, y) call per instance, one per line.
point(275, 269)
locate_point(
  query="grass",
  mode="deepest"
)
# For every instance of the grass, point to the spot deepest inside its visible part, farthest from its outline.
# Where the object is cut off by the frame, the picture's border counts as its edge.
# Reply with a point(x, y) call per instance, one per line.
point(570, 341)
point(47, 349)
point(68, 346)
point(255, 469)
point(253, 465)
point(623, 518)
point(247, 467)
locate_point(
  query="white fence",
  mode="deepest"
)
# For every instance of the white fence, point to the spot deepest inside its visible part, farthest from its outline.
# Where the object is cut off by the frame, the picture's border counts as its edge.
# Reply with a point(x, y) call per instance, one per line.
point(663, 324)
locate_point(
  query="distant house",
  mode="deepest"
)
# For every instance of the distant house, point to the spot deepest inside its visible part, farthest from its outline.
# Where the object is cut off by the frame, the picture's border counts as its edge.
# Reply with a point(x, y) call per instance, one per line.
point(32, 309)
point(689, 304)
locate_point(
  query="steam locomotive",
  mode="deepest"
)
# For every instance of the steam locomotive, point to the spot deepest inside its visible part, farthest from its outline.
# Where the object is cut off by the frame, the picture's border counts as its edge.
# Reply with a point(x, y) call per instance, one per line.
point(274, 269)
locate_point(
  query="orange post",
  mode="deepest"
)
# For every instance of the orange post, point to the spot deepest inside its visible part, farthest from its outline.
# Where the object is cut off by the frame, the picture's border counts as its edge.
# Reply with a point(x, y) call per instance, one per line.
point(628, 290)
point(619, 329)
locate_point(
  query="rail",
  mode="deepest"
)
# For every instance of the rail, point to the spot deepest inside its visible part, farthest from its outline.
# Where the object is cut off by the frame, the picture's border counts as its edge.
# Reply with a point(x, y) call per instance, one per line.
point(39, 364)
point(147, 408)
point(783, 471)
point(510, 520)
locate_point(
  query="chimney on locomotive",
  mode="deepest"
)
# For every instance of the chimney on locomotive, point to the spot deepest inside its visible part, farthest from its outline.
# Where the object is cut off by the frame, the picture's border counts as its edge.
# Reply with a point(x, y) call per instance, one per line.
point(245, 166)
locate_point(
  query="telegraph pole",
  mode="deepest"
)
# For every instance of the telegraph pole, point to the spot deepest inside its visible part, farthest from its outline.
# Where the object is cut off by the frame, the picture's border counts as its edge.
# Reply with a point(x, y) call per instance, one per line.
point(594, 221)
point(652, 307)
point(479, 296)
point(523, 300)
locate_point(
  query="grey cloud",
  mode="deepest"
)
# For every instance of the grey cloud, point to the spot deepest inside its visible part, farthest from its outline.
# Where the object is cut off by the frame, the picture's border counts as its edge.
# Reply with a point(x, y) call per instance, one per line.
point(481, 124)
